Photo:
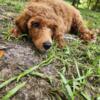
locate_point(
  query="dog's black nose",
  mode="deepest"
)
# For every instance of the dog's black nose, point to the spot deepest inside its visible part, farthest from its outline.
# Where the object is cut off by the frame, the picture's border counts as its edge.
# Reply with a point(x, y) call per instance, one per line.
point(46, 45)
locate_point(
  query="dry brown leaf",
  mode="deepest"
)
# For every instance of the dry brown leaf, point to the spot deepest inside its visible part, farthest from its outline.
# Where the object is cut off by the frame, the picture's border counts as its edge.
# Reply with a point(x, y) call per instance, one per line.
point(2, 52)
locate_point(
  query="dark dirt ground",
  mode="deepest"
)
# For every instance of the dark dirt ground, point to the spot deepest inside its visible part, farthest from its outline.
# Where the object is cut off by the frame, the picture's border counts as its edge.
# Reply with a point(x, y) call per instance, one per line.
point(22, 55)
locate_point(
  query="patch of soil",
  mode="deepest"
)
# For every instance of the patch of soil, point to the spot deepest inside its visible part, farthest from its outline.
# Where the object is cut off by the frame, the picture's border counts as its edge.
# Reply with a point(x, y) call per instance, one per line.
point(24, 56)
point(7, 16)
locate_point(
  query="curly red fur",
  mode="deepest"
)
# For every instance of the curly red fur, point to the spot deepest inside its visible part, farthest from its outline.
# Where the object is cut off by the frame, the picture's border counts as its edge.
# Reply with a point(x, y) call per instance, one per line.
point(56, 17)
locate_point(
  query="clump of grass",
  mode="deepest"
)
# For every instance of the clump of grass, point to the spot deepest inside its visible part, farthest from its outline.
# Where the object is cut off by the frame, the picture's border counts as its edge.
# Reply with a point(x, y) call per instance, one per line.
point(92, 18)
point(13, 91)
point(8, 35)
point(83, 62)
point(19, 6)
point(14, 4)
point(7, 32)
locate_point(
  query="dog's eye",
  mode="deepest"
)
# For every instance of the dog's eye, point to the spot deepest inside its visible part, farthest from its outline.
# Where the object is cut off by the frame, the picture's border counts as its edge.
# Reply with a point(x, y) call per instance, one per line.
point(35, 24)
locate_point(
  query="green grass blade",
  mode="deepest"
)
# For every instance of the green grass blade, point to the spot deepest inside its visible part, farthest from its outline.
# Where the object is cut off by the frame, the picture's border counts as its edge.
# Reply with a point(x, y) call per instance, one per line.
point(28, 71)
point(47, 61)
point(63, 78)
point(7, 82)
point(42, 76)
point(78, 72)
point(67, 86)
point(86, 96)
point(13, 91)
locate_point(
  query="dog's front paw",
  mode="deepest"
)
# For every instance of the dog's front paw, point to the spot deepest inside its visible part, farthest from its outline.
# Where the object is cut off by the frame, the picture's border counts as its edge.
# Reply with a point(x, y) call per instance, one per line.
point(61, 43)
point(88, 36)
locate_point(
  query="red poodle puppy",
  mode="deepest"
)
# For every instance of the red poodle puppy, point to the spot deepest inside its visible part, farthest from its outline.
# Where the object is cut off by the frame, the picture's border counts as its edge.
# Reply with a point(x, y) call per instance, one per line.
point(45, 20)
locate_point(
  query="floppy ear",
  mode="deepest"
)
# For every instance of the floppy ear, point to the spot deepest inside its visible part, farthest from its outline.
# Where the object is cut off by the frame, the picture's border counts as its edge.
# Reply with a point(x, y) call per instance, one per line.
point(21, 22)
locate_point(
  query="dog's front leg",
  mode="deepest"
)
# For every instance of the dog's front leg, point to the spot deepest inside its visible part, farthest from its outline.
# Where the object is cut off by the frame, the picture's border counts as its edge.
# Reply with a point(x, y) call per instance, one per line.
point(60, 40)
point(85, 33)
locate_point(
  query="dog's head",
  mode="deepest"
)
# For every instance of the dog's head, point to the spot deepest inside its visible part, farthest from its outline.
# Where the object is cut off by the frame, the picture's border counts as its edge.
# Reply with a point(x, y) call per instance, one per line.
point(41, 31)
point(42, 25)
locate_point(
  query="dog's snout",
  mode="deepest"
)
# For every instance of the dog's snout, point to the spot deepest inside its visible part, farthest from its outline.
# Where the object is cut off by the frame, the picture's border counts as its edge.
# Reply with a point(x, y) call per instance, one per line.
point(46, 45)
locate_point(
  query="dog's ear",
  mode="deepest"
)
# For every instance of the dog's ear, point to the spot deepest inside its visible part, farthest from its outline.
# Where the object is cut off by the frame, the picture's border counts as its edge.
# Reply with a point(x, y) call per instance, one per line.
point(21, 22)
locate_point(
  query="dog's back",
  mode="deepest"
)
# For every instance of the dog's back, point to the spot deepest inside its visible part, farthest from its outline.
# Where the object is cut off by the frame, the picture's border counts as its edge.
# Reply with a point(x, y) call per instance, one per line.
point(47, 0)
point(51, 2)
